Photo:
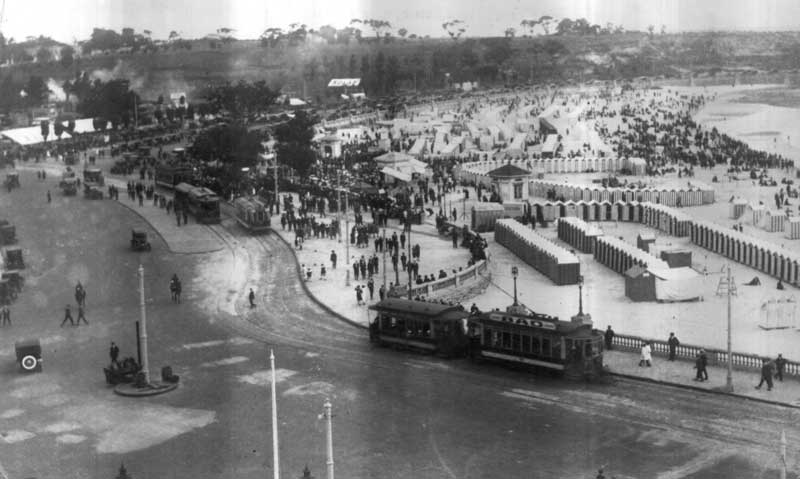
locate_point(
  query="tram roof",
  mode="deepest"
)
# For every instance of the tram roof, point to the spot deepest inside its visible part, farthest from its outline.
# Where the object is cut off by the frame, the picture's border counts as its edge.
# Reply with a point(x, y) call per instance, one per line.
point(420, 308)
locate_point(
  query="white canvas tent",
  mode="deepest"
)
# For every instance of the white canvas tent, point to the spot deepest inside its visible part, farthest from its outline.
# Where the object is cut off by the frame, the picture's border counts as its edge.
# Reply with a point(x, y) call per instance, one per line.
point(778, 313)
point(677, 284)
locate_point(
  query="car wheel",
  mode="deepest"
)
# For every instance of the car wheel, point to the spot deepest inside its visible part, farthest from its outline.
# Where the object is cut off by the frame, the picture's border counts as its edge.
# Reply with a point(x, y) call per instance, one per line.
point(29, 363)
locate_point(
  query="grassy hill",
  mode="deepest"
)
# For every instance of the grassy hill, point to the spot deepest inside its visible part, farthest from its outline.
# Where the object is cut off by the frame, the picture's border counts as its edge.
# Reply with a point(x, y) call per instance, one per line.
point(402, 65)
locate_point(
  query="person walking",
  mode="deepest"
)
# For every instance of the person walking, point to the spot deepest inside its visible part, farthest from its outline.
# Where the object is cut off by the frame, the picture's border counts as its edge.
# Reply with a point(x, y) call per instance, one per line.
point(371, 288)
point(113, 351)
point(359, 295)
point(673, 344)
point(780, 365)
point(49, 198)
point(704, 364)
point(333, 259)
point(382, 292)
point(81, 316)
point(609, 338)
point(646, 355)
point(698, 366)
point(252, 298)
point(68, 316)
point(767, 369)
point(356, 269)
point(6, 313)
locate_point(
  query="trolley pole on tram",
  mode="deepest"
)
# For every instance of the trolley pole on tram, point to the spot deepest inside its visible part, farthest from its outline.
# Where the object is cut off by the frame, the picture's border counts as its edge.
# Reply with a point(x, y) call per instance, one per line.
point(143, 328)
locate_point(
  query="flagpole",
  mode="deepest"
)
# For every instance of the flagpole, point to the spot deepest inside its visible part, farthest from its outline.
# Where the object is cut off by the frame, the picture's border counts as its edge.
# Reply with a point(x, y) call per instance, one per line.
point(275, 459)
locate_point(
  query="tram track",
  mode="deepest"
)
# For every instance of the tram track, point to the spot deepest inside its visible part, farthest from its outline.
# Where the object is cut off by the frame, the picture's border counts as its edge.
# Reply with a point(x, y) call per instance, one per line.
point(724, 432)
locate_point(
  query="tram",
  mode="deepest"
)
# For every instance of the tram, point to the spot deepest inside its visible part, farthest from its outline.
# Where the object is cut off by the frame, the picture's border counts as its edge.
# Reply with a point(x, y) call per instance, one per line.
point(522, 337)
point(201, 202)
point(170, 175)
point(517, 337)
point(421, 326)
point(252, 214)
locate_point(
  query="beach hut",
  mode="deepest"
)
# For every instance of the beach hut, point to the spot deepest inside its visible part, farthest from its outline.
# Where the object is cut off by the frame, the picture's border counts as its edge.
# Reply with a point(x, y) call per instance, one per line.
point(773, 220)
point(644, 240)
point(793, 228)
point(640, 285)
point(736, 208)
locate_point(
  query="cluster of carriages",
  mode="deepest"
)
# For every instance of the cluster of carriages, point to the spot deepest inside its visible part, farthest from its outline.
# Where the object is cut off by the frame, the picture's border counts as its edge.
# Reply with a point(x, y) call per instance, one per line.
point(28, 351)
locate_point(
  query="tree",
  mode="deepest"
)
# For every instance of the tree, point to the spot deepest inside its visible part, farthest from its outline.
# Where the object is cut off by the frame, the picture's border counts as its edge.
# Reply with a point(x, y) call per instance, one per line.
point(328, 33)
point(174, 36)
point(663, 29)
point(650, 30)
point(454, 28)
point(294, 142)
point(271, 37)
point(36, 91)
point(128, 37)
point(44, 55)
point(565, 26)
point(44, 126)
point(402, 33)
point(67, 56)
point(510, 32)
point(71, 125)
point(546, 21)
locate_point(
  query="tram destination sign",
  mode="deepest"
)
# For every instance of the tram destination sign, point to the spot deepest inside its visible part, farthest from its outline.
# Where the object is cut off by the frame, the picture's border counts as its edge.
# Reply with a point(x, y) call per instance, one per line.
point(522, 321)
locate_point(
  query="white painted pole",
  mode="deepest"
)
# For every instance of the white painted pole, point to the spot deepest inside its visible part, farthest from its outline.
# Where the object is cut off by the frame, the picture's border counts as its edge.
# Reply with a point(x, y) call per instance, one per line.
point(329, 424)
point(143, 328)
point(275, 457)
point(783, 454)
point(729, 376)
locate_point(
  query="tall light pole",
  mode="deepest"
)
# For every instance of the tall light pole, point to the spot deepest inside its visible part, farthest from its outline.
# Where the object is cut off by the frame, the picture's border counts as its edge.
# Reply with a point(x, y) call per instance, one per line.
point(329, 437)
point(408, 265)
point(514, 274)
point(580, 294)
point(275, 456)
point(728, 287)
point(143, 328)
point(383, 253)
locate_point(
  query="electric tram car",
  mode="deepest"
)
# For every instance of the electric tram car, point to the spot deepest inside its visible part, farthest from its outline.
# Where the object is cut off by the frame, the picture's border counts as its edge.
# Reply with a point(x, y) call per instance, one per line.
point(252, 214)
point(421, 326)
point(525, 338)
point(201, 202)
point(170, 175)
point(516, 337)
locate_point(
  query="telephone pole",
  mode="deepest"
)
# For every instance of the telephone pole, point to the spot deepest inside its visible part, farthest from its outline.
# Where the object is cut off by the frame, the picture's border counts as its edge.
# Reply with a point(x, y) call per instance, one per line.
point(275, 455)
point(728, 287)
point(329, 437)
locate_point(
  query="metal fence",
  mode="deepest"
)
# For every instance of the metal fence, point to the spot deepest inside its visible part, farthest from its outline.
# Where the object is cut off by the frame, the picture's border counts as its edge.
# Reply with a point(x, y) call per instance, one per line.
point(716, 357)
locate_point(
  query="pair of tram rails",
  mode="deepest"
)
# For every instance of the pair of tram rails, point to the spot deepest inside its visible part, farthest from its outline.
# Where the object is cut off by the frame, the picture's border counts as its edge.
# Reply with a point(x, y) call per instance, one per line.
point(514, 337)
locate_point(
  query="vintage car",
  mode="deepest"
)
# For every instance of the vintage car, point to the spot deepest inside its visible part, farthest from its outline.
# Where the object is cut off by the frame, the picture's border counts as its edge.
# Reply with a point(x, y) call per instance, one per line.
point(69, 186)
point(29, 355)
point(93, 176)
point(139, 241)
point(124, 371)
point(92, 192)
point(12, 180)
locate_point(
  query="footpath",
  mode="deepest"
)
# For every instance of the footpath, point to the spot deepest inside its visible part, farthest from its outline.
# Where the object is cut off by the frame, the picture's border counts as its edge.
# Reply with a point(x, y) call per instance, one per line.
point(336, 292)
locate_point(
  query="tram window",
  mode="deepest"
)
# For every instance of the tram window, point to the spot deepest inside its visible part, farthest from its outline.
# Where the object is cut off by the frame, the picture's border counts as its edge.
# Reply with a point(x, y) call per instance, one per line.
point(535, 345)
point(587, 349)
point(556, 353)
point(487, 337)
point(506, 340)
point(515, 342)
point(526, 344)
point(545, 346)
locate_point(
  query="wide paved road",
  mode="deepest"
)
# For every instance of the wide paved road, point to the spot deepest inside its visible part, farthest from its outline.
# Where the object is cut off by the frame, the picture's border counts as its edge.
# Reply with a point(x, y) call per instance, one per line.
point(396, 415)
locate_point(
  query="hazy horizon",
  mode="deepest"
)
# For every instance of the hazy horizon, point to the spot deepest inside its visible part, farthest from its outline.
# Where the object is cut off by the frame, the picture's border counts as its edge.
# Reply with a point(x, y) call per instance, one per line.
point(69, 21)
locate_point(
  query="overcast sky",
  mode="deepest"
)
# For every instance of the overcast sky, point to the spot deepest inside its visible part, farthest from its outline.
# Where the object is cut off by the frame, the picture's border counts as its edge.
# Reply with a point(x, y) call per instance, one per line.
point(66, 20)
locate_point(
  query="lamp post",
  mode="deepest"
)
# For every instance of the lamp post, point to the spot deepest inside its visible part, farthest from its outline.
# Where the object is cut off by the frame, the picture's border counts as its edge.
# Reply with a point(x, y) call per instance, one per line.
point(580, 295)
point(143, 328)
point(408, 264)
point(514, 274)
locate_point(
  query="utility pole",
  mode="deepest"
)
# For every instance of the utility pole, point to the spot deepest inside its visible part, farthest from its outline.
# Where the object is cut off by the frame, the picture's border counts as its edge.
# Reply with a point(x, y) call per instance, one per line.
point(277, 199)
point(728, 287)
point(383, 249)
point(339, 201)
point(143, 328)
point(408, 265)
point(783, 454)
point(329, 437)
point(347, 229)
point(275, 456)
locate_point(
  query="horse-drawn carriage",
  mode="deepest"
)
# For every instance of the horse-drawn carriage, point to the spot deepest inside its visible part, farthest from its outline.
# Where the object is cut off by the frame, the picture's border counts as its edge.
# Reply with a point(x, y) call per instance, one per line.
point(13, 258)
point(93, 177)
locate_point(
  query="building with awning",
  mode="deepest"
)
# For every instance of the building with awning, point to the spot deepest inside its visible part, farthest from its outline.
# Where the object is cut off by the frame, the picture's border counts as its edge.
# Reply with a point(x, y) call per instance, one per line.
point(395, 175)
point(550, 146)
